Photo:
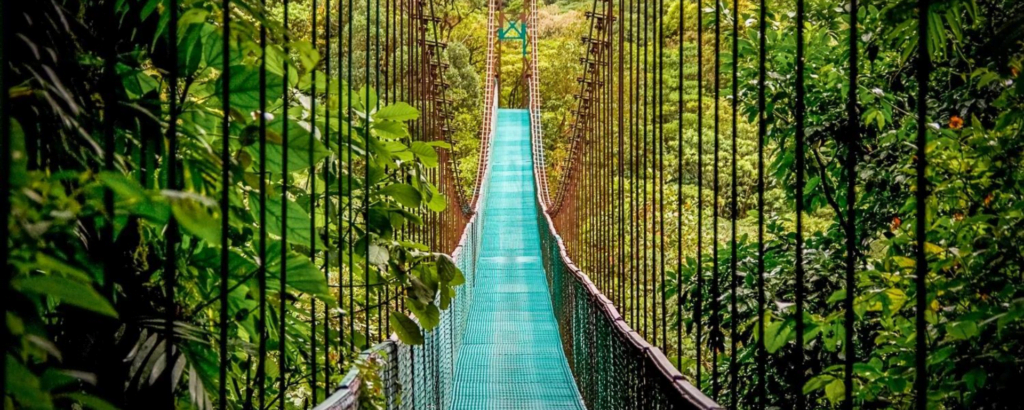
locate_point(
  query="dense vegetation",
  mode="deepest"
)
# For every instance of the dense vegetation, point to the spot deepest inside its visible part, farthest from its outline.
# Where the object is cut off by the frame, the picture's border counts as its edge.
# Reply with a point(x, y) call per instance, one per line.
point(975, 297)
point(94, 130)
point(975, 300)
point(81, 336)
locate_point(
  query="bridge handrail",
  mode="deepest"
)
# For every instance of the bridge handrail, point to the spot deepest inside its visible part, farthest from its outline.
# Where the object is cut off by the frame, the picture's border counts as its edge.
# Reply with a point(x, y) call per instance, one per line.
point(536, 130)
point(487, 121)
point(654, 381)
point(397, 361)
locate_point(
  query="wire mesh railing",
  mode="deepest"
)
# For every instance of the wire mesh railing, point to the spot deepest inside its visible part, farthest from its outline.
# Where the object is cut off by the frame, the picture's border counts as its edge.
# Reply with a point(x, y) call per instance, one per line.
point(614, 367)
point(420, 376)
point(393, 375)
point(763, 189)
point(242, 174)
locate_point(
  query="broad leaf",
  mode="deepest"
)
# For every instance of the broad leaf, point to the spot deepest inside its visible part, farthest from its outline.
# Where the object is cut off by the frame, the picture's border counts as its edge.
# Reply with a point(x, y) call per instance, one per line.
point(245, 87)
point(195, 219)
point(405, 194)
point(302, 274)
point(777, 334)
point(406, 329)
point(297, 220)
point(425, 152)
point(961, 330)
point(397, 112)
point(67, 291)
point(428, 315)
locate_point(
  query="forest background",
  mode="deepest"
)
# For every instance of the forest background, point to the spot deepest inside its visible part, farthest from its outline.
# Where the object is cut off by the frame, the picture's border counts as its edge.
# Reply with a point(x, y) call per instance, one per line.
point(975, 302)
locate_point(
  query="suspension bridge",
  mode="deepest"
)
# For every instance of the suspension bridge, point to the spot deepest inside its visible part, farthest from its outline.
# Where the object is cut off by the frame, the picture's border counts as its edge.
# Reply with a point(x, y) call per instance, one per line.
point(529, 329)
point(560, 301)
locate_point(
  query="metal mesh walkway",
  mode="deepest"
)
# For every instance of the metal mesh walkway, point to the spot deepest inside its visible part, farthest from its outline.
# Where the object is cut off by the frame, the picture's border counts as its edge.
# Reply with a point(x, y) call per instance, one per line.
point(511, 355)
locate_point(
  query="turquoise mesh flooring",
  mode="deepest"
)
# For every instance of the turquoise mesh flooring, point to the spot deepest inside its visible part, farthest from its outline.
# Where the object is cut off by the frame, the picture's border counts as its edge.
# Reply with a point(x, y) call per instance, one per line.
point(511, 355)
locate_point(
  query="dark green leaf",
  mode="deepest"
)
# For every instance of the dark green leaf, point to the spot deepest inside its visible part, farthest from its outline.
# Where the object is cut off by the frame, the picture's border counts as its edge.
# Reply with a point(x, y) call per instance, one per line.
point(67, 291)
point(777, 334)
point(961, 330)
point(298, 220)
point(406, 329)
point(196, 220)
point(302, 274)
point(427, 314)
point(245, 87)
point(405, 194)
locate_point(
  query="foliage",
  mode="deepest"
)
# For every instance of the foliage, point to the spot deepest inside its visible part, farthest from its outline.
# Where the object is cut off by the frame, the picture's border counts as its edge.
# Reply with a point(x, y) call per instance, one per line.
point(88, 307)
point(974, 156)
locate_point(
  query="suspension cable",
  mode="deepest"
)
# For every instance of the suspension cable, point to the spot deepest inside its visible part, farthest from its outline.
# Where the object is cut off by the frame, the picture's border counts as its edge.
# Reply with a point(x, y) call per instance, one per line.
point(762, 133)
point(283, 279)
point(225, 185)
point(715, 338)
point(734, 216)
point(699, 308)
point(852, 146)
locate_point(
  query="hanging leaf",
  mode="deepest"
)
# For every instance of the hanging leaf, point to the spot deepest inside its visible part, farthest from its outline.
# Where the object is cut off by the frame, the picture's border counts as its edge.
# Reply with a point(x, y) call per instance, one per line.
point(378, 255)
point(427, 314)
point(390, 130)
point(195, 220)
point(67, 291)
point(438, 202)
point(297, 221)
point(425, 152)
point(245, 87)
point(448, 272)
point(397, 112)
point(302, 274)
point(406, 329)
point(405, 194)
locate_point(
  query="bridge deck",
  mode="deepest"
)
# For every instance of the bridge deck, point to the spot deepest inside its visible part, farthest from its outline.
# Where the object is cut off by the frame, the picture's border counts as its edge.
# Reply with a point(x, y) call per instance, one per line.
point(511, 356)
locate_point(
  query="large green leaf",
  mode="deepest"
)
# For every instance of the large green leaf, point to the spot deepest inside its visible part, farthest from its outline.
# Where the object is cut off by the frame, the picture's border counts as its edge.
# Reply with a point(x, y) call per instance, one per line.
point(962, 330)
point(24, 386)
point(390, 130)
point(125, 189)
point(67, 291)
point(835, 391)
point(406, 329)
point(136, 82)
point(300, 144)
point(405, 194)
point(245, 87)
point(425, 152)
point(817, 382)
point(297, 221)
point(777, 334)
point(438, 202)
point(448, 271)
point(195, 219)
point(302, 274)
point(399, 111)
point(428, 315)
